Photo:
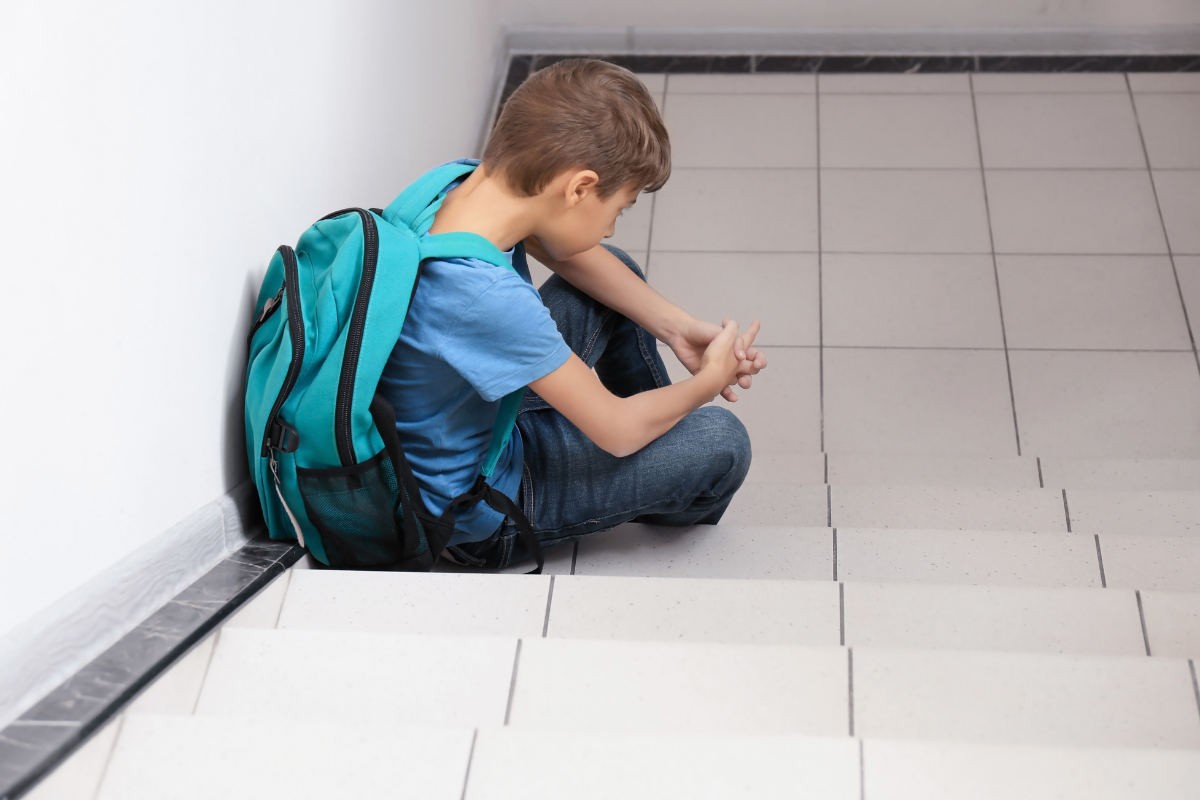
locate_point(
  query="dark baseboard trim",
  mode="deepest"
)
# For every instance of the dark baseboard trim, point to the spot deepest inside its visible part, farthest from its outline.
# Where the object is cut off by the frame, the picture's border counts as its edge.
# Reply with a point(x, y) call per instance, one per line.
point(521, 66)
point(45, 735)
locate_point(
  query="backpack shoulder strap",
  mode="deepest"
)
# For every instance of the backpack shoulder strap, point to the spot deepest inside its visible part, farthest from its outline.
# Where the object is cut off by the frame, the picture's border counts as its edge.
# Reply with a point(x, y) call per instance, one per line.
point(415, 206)
point(461, 244)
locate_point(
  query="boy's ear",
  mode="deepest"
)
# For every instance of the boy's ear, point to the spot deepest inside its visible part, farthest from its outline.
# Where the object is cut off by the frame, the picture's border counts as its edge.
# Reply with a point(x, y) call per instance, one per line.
point(579, 185)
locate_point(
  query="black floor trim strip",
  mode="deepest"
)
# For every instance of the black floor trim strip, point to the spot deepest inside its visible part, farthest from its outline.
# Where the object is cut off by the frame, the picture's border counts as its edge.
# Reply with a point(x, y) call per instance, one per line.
point(45, 735)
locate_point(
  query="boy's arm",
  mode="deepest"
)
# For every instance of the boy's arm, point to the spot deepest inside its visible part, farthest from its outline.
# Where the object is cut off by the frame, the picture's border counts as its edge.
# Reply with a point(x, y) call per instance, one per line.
point(623, 425)
point(601, 275)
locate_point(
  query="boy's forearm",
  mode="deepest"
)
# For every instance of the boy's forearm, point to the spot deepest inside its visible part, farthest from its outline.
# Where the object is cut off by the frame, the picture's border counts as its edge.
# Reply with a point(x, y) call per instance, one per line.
point(601, 275)
point(648, 415)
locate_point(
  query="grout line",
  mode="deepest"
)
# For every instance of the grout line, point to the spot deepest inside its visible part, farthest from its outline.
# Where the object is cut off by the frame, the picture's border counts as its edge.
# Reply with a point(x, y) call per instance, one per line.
point(1066, 510)
point(835, 554)
point(862, 769)
point(850, 670)
point(780, 346)
point(842, 613)
point(549, 599)
point(512, 685)
point(1162, 221)
point(1195, 685)
point(914, 252)
point(287, 584)
point(826, 455)
point(987, 208)
point(1142, 616)
point(820, 268)
point(120, 723)
point(470, 759)
point(828, 506)
point(207, 665)
point(1100, 560)
point(1041, 482)
point(574, 556)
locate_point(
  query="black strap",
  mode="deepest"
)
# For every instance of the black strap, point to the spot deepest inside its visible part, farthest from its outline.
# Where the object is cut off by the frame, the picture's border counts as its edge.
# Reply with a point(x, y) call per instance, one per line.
point(385, 422)
point(504, 504)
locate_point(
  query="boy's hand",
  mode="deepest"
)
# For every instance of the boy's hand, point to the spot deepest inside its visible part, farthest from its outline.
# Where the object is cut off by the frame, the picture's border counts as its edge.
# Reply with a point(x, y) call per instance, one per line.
point(689, 347)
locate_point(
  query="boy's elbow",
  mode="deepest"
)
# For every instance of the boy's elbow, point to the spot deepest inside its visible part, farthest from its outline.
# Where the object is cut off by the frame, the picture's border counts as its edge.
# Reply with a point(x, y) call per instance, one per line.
point(619, 441)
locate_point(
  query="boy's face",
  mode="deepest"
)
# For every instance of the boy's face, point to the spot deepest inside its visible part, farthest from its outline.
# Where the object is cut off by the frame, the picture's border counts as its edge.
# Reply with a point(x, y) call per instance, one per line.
point(583, 218)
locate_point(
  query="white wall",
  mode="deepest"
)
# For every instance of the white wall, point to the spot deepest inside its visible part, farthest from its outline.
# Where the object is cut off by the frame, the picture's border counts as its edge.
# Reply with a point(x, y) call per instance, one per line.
point(152, 156)
point(870, 14)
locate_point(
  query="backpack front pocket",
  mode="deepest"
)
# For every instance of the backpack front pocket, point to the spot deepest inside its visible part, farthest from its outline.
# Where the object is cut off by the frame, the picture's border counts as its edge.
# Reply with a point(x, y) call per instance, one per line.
point(361, 515)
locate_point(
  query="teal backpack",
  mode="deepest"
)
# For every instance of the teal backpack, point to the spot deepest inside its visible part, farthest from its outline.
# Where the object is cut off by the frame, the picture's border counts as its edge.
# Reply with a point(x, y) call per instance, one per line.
point(324, 453)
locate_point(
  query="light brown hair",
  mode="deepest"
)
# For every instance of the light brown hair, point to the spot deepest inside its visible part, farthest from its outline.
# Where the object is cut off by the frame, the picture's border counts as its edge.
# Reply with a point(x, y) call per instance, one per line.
point(580, 113)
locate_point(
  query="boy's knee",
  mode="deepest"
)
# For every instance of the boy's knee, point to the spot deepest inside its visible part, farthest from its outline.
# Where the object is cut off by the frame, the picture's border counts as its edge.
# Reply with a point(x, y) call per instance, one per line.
point(626, 260)
point(728, 442)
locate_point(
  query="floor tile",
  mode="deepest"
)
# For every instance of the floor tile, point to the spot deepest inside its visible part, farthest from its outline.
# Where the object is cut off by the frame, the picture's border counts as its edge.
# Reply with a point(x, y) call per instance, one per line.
point(1092, 302)
point(910, 300)
point(909, 131)
point(1127, 474)
point(1001, 472)
point(263, 610)
point(743, 130)
point(1047, 131)
point(927, 402)
point(177, 690)
point(656, 83)
point(708, 551)
point(1179, 198)
point(903, 211)
point(1107, 405)
point(1164, 563)
point(195, 758)
point(1169, 124)
point(897, 770)
point(632, 232)
point(1165, 81)
point(78, 778)
point(948, 508)
point(1055, 82)
point(1173, 623)
point(780, 289)
point(779, 504)
point(1074, 211)
point(1152, 513)
point(746, 84)
point(1188, 270)
point(359, 677)
point(672, 687)
point(737, 210)
point(600, 767)
point(886, 83)
point(782, 410)
point(1011, 698)
point(967, 557)
point(793, 468)
point(417, 603)
point(691, 610)
point(1005, 618)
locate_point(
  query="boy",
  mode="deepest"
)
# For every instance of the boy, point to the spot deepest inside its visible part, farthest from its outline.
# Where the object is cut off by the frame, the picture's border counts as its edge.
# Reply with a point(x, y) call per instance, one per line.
point(574, 146)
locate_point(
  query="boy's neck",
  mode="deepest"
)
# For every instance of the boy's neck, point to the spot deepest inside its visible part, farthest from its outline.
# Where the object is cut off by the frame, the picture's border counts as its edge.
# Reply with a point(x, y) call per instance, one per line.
point(484, 205)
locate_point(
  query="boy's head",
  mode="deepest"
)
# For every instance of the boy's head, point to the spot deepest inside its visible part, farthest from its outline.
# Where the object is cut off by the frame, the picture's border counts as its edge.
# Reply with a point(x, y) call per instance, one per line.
point(586, 130)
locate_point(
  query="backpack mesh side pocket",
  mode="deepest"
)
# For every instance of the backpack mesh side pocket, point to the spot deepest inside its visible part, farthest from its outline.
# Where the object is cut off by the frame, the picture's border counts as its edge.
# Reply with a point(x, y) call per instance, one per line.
point(360, 513)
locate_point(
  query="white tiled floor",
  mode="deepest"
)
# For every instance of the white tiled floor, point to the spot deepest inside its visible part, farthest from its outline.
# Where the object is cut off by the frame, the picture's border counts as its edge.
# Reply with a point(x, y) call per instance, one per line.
point(971, 287)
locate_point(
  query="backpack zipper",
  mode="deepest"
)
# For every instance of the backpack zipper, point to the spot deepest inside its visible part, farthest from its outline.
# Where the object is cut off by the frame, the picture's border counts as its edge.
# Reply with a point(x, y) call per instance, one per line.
point(354, 336)
point(291, 285)
point(268, 311)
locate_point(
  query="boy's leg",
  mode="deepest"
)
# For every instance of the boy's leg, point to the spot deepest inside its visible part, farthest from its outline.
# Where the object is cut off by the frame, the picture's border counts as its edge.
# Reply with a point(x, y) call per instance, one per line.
point(571, 487)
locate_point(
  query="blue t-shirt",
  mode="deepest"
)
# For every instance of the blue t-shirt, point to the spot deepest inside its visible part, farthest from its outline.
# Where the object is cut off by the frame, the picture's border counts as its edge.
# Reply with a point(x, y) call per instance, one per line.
point(474, 333)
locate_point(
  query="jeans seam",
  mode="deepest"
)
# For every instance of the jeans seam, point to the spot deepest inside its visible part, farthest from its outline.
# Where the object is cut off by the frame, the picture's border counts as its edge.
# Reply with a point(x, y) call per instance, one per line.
point(587, 351)
point(645, 351)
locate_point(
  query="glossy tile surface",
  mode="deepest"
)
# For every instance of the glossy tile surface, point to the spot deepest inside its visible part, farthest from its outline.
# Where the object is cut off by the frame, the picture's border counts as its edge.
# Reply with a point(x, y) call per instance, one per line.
point(742, 130)
point(948, 508)
point(911, 131)
point(1173, 623)
point(1148, 561)
point(1013, 472)
point(1156, 513)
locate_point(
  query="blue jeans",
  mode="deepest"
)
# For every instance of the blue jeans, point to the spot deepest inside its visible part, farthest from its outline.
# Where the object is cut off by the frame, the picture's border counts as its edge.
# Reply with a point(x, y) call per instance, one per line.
point(570, 487)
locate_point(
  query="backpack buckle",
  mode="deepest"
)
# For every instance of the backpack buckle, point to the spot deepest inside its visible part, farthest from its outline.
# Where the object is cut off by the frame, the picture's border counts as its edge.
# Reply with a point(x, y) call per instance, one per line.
point(283, 437)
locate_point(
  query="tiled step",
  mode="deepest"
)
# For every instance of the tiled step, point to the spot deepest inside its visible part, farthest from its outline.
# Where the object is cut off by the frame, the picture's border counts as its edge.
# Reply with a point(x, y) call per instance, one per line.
point(705, 688)
point(159, 757)
point(1001, 618)
point(1000, 472)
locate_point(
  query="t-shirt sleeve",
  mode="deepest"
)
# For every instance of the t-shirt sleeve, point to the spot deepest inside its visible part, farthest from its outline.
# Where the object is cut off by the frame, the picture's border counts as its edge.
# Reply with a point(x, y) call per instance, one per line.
point(504, 339)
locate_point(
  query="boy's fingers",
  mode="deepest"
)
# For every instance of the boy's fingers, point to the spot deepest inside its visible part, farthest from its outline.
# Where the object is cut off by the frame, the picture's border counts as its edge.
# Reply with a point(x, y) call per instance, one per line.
point(729, 394)
point(751, 332)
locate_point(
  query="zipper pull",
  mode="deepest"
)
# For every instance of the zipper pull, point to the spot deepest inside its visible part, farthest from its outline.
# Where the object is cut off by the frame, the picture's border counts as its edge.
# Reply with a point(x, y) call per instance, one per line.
point(269, 306)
